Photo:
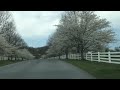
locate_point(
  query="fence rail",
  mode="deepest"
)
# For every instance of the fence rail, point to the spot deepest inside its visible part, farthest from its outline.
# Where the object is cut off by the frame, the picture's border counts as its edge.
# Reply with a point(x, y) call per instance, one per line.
point(6, 58)
point(108, 57)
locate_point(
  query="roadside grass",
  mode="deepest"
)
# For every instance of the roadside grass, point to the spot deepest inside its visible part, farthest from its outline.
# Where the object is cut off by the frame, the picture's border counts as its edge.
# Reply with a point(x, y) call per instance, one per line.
point(99, 70)
point(6, 62)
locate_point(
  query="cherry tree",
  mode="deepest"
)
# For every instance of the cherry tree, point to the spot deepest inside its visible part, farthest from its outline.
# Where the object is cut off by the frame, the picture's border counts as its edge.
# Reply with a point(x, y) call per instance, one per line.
point(83, 30)
point(59, 44)
point(86, 29)
point(5, 46)
point(24, 54)
point(10, 41)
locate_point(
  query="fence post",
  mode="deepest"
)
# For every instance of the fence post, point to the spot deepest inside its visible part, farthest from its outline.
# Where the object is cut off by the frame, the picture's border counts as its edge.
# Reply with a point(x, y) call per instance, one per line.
point(76, 56)
point(98, 56)
point(91, 56)
point(73, 56)
point(86, 56)
point(109, 56)
point(68, 56)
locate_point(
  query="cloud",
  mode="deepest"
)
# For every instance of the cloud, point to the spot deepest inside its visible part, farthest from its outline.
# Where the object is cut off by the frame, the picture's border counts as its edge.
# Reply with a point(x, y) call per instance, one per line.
point(36, 26)
point(36, 41)
point(112, 16)
point(32, 24)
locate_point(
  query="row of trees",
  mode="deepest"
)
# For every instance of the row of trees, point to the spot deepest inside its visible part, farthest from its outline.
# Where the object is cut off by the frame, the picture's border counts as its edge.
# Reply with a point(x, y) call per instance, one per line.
point(11, 43)
point(80, 32)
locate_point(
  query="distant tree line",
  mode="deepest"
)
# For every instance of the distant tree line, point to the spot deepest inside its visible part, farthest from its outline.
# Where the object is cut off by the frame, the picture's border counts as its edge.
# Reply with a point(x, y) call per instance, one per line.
point(38, 52)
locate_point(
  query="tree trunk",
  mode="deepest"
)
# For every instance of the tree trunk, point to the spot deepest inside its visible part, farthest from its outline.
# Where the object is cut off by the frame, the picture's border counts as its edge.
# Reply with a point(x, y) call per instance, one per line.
point(59, 56)
point(67, 56)
point(78, 48)
point(82, 52)
point(66, 53)
point(8, 58)
point(11, 57)
point(82, 55)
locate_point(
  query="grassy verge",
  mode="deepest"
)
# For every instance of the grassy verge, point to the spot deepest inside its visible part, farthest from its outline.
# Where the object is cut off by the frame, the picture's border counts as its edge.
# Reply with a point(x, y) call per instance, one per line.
point(6, 62)
point(98, 69)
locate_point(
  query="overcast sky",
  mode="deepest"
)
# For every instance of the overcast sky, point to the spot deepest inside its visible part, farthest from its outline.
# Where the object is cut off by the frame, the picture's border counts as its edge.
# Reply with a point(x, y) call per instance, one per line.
point(36, 26)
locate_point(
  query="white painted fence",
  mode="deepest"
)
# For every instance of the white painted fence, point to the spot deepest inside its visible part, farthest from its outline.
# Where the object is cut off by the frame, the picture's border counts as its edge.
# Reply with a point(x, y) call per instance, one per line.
point(71, 56)
point(6, 58)
point(108, 57)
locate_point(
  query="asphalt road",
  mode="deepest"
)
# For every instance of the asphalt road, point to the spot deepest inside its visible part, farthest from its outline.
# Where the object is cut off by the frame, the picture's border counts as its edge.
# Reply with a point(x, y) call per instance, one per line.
point(43, 69)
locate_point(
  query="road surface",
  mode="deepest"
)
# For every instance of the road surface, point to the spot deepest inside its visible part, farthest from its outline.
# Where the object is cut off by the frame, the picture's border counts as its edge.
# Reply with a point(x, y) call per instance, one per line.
point(42, 69)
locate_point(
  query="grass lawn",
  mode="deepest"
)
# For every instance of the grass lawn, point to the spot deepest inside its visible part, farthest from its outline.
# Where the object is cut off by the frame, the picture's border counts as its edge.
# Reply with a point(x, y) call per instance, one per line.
point(98, 69)
point(6, 62)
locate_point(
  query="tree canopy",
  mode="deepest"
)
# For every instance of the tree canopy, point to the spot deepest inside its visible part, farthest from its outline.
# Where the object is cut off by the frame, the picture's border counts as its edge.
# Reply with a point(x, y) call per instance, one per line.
point(81, 29)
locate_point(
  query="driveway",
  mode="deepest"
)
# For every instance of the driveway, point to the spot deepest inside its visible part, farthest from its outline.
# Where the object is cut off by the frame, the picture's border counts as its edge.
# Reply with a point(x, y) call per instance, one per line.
point(42, 69)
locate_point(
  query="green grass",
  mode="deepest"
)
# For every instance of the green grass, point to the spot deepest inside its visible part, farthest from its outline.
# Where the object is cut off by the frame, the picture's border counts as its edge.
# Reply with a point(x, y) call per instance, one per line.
point(6, 62)
point(98, 69)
